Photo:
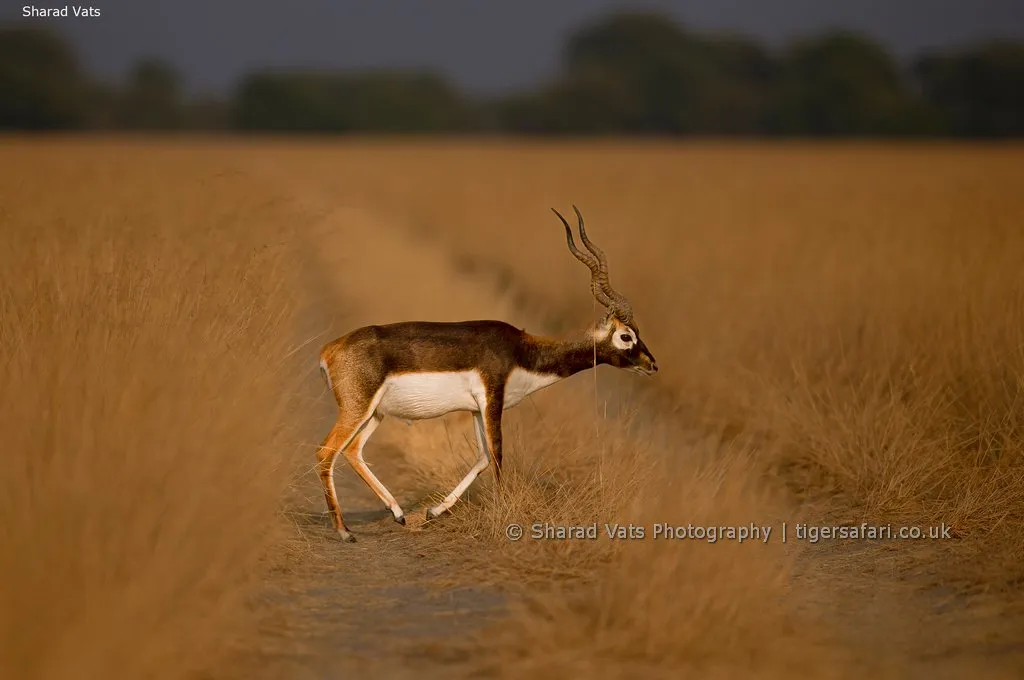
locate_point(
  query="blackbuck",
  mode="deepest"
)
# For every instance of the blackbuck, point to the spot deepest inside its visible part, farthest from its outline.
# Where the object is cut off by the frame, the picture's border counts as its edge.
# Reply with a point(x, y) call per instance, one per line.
point(417, 370)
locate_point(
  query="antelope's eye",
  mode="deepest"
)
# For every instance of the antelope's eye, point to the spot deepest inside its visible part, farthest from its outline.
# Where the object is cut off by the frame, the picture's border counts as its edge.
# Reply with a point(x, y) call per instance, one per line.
point(625, 337)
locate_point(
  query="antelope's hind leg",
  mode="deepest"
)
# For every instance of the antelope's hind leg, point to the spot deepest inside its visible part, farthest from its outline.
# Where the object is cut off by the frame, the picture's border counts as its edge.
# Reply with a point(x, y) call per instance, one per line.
point(345, 430)
point(354, 455)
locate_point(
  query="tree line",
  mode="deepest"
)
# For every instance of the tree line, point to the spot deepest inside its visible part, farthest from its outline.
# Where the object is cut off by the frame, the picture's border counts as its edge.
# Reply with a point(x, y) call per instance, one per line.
point(628, 73)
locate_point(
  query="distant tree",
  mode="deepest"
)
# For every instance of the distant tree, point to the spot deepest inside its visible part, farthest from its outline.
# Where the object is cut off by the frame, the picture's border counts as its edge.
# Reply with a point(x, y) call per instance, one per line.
point(841, 83)
point(298, 102)
point(977, 91)
point(631, 72)
point(41, 85)
point(207, 112)
point(642, 65)
point(394, 101)
point(589, 103)
point(741, 95)
point(376, 101)
point(102, 102)
point(152, 98)
point(641, 72)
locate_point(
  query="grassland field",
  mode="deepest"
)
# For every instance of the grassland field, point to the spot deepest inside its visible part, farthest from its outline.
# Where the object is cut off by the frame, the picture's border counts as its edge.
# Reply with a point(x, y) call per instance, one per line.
point(838, 326)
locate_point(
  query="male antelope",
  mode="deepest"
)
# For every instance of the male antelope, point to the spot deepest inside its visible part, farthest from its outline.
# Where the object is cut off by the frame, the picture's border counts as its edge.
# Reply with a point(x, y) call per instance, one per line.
point(416, 370)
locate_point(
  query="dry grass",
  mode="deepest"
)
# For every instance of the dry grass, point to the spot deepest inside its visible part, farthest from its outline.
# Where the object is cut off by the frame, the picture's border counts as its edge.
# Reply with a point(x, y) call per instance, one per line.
point(860, 305)
point(839, 331)
point(571, 459)
point(677, 608)
point(856, 311)
point(145, 408)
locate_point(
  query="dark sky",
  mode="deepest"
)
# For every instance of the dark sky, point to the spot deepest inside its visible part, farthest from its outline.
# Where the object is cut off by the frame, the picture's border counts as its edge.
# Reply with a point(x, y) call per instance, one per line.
point(484, 46)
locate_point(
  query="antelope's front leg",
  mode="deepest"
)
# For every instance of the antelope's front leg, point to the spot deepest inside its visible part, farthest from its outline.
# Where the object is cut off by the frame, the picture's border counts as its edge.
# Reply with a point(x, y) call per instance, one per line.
point(484, 452)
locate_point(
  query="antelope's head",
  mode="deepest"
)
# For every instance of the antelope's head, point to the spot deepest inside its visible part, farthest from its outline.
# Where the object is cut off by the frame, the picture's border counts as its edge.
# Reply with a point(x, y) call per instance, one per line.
point(617, 336)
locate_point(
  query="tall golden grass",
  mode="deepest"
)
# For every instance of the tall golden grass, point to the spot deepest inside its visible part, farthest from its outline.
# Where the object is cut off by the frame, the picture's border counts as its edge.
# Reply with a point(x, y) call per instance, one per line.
point(848, 317)
point(839, 335)
point(862, 305)
point(568, 459)
point(146, 320)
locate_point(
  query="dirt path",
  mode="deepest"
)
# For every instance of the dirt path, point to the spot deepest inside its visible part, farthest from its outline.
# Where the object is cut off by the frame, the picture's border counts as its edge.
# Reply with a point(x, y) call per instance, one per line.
point(368, 609)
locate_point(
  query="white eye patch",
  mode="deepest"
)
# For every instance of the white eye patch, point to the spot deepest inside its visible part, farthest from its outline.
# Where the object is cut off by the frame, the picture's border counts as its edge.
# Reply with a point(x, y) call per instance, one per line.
point(623, 338)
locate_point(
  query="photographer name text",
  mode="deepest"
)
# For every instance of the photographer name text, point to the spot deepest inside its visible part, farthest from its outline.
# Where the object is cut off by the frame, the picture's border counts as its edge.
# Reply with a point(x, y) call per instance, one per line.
point(31, 11)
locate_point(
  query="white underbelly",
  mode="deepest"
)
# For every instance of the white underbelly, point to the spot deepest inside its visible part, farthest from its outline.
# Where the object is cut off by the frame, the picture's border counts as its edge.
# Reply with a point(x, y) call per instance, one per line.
point(418, 396)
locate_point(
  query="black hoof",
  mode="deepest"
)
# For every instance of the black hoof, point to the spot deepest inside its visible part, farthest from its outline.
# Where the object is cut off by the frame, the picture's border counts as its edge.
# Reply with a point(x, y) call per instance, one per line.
point(348, 538)
point(431, 515)
point(401, 520)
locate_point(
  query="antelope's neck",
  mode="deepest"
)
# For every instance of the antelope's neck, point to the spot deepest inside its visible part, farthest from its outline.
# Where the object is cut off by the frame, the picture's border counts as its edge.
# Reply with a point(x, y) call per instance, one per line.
point(550, 356)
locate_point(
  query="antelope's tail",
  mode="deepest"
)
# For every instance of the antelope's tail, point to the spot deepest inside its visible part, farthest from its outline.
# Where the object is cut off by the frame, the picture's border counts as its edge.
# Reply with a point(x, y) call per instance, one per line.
point(326, 375)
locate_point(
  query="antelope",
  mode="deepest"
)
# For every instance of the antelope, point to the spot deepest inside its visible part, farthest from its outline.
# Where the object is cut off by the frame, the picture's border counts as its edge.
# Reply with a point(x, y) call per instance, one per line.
point(417, 370)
